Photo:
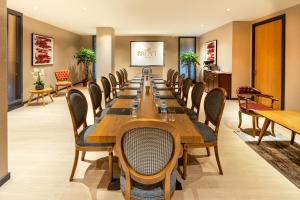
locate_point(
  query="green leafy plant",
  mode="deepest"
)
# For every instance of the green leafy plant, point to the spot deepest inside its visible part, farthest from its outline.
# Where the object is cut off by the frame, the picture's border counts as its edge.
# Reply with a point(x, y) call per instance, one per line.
point(188, 59)
point(39, 81)
point(85, 57)
point(37, 74)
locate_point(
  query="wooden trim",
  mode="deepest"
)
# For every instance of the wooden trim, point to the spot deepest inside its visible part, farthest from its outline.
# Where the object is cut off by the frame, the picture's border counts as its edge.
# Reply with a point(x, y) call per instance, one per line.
point(283, 19)
point(18, 102)
point(4, 179)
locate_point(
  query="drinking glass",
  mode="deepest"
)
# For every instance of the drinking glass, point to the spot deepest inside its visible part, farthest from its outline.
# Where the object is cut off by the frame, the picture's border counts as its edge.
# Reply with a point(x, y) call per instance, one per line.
point(171, 114)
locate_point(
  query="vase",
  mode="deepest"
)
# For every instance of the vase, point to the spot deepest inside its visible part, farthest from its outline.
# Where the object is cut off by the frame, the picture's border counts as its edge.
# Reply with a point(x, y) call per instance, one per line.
point(39, 87)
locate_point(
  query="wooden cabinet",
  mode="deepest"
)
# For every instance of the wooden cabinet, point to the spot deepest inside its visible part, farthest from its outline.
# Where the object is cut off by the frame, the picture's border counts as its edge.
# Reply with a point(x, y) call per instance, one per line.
point(216, 79)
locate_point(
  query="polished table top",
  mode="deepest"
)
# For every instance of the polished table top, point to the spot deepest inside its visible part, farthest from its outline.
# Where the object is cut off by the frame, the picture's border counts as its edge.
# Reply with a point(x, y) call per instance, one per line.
point(288, 119)
point(108, 127)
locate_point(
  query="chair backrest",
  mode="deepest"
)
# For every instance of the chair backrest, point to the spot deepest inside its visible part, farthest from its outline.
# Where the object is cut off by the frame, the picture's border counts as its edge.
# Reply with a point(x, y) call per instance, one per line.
point(196, 96)
point(106, 89)
point(122, 75)
point(113, 82)
point(174, 79)
point(96, 97)
point(187, 83)
point(169, 79)
point(214, 104)
point(147, 70)
point(78, 108)
point(126, 74)
point(148, 151)
point(62, 75)
point(120, 79)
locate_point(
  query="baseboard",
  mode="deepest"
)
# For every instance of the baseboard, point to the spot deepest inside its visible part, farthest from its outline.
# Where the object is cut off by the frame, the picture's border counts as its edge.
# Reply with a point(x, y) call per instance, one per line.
point(4, 179)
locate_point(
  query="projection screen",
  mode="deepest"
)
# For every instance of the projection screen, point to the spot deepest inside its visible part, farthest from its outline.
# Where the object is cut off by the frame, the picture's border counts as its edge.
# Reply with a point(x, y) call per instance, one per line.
point(146, 54)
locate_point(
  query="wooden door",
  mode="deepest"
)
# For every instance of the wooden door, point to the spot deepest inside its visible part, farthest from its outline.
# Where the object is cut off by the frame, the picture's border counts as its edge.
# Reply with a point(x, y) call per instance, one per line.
point(268, 66)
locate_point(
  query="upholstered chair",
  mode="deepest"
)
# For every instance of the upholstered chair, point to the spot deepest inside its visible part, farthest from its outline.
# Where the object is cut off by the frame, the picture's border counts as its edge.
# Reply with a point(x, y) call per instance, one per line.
point(214, 104)
point(178, 87)
point(250, 99)
point(120, 79)
point(62, 79)
point(107, 92)
point(78, 109)
point(146, 70)
point(174, 80)
point(169, 78)
point(196, 97)
point(148, 151)
point(187, 83)
point(96, 98)
point(114, 84)
point(125, 75)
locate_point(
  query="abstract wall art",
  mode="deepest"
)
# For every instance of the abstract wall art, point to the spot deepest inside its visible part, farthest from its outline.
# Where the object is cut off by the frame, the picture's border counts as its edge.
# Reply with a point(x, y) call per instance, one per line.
point(211, 52)
point(42, 50)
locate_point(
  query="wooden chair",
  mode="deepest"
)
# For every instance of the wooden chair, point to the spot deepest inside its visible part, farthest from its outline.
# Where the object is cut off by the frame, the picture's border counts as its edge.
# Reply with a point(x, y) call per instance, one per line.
point(214, 104)
point(62, 79)
point(78, 109)
point(114, 85)
point(196, 96)
point(250, 100)
point(187, 83)
point(107, 91)
point(174, 80)
point(120, 79)
point(96, 98)
point(148, 151)
point(169, 78)
point(146, 70)
point(125, 75)
point(178, 87)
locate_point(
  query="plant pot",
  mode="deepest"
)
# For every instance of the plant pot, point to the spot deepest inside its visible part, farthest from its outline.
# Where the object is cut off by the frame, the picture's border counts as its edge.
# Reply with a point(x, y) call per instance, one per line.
point(39, 87)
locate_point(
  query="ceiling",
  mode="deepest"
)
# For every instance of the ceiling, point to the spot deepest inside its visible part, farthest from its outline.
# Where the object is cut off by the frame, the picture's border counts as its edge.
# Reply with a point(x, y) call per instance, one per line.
point(146, 17)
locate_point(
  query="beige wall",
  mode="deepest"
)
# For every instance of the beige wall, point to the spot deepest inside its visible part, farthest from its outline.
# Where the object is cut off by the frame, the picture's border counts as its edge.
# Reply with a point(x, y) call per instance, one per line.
point(3, 89)
point(65, 46)
point(122, 53)
point(86, 41)
point(292, 61)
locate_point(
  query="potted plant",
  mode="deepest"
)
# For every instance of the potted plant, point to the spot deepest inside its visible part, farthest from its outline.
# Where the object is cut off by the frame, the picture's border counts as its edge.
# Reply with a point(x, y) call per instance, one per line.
point(85, 57)
point(39, 83)
point(188, 59)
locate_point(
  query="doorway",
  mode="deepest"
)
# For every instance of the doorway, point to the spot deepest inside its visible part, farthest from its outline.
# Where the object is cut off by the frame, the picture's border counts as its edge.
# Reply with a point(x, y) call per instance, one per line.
point(268, 58)
point(185, 44)
point(14, 59)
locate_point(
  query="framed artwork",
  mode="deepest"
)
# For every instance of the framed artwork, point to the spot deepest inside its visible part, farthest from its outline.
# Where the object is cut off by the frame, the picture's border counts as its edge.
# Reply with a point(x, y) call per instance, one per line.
point(42, 50)
point(211, 52)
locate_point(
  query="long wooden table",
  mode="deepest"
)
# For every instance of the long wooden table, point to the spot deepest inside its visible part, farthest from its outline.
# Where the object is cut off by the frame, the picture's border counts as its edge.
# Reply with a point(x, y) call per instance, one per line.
point(287, 119)
point(107, 129)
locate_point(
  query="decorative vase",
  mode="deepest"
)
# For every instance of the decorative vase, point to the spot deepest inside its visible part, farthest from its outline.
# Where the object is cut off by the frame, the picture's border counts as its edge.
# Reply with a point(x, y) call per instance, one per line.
point(39, 87)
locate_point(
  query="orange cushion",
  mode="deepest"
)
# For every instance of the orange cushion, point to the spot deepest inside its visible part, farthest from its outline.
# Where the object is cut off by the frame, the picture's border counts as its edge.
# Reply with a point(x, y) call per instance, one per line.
point(63, 83)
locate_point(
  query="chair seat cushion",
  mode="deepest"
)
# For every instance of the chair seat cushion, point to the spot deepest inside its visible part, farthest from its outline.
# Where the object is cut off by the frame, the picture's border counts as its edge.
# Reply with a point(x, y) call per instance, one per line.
point(181, 102)
point(252, 106)
point(151, 192)
point(192, 114)
point(109, 104)
point(82, 138)
point(63, 83)
point(206, 132)
point(100, 115)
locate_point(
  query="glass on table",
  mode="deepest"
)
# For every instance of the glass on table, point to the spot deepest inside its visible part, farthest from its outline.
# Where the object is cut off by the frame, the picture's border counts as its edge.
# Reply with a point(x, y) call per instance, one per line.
point(171, 114)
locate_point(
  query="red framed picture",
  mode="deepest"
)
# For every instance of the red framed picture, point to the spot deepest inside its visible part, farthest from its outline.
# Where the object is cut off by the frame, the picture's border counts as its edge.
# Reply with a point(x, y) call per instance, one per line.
point(42, 50)
point(211, 52)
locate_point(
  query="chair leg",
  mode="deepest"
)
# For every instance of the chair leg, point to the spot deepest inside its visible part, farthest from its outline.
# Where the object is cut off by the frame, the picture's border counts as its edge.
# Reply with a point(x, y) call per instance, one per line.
point(257, 122)
point(273, 128)
point(253, 126)
point(208, 151)
point(240, 119)
point(293, 137)
point(56, 90)
point(185, 155)
point(218, 159)
point(74, 165)
point(82, 156)
point(110, 165)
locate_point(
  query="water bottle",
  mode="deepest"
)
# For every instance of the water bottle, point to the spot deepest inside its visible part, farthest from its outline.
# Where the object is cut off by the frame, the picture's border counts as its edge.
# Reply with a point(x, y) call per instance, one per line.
point(139, 96)
point(134, 108)
point(157, 99)
point(163, 111)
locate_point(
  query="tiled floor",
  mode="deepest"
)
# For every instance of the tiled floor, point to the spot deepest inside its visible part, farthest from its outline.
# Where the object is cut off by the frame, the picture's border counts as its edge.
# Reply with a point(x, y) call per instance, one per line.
point(41, 153)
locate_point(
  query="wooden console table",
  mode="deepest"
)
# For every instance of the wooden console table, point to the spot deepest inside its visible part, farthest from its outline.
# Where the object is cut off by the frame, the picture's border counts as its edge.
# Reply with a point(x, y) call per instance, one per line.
point(40, 93)
point(214, 79)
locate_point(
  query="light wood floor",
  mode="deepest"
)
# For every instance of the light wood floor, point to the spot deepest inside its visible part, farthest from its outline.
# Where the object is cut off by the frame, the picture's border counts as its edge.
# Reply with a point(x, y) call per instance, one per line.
point(41, 153)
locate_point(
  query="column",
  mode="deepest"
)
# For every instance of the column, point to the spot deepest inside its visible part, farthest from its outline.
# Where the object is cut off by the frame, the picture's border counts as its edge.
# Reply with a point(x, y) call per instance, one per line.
point(104, 51)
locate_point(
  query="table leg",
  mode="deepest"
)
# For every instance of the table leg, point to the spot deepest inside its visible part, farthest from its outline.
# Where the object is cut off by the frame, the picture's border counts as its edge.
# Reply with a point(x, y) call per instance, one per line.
point(263, 130)
point(30, 99)
point(38, 98)
point(43, 99)
point(293, 137)
point(49, 94)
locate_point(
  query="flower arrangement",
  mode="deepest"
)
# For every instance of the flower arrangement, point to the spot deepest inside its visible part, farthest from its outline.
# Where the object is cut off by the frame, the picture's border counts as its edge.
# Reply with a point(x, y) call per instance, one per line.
point(39, 83)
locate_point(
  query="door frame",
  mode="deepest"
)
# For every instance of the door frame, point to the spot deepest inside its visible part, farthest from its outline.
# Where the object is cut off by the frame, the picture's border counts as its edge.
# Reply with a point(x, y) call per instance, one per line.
point(19, 102)
point(195, 47)
point(283, 20)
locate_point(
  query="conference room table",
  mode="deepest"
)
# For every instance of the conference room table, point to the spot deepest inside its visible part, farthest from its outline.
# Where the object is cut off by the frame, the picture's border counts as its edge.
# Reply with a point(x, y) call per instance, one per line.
point(107, 130)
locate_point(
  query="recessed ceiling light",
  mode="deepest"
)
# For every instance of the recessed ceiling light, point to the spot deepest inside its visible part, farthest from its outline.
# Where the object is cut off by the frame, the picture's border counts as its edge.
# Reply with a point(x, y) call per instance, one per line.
point(71, 24)
point(35, 8)
point(202, 25)
point(227, 9)
point(84, 9)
